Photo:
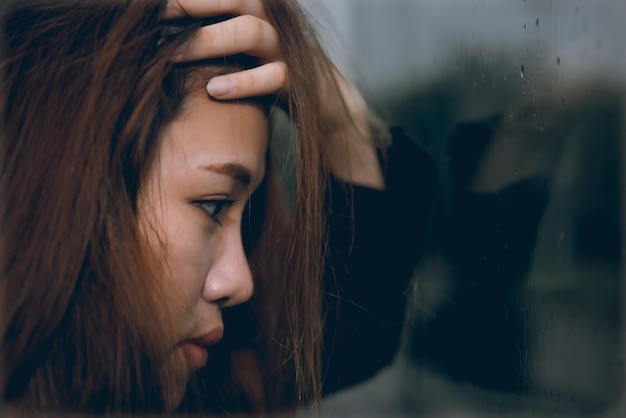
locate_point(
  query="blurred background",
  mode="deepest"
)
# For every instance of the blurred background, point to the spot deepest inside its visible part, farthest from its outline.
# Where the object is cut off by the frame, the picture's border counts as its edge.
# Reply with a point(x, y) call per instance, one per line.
point(517, 304)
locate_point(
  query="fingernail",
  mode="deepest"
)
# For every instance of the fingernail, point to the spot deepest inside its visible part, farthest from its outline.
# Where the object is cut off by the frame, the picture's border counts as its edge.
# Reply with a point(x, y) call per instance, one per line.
point(220, 87)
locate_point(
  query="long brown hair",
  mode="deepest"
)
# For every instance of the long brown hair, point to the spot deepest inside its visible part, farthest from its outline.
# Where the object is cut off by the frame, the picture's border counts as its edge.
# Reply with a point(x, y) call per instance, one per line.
point(83, 99)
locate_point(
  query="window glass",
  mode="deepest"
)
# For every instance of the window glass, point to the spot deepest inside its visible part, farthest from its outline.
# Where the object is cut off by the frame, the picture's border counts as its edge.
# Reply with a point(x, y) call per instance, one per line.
point(517, 304)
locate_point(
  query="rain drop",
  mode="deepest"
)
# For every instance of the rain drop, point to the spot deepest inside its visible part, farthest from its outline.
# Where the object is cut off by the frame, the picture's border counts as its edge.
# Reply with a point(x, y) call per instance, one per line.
point(537, 22)
point(522, 71)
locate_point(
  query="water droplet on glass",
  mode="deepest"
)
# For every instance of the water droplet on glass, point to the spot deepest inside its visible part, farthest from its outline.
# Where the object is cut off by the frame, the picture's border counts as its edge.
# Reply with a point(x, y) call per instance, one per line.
point(522, 71)
point(558, 60)
point(537, 22)
point(524, 26)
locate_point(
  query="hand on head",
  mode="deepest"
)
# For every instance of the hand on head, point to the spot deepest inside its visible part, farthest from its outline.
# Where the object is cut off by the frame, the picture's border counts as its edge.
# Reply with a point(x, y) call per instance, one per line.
point(248, 32)
point(349, 147)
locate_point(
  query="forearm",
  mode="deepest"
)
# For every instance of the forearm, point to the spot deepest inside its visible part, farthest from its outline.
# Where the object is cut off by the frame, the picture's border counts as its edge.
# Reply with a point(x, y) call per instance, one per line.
point(351, 149)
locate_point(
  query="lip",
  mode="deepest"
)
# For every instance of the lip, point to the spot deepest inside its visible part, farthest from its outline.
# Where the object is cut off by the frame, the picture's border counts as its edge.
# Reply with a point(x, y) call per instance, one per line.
point(208, 339)
point(195, 348)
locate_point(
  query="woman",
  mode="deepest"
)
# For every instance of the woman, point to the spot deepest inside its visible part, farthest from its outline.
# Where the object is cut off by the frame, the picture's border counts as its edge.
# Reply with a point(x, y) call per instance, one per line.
point(138, 209)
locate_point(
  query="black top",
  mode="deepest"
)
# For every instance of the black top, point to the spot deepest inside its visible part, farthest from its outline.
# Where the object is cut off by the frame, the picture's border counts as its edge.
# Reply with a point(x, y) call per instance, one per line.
point(374, 247)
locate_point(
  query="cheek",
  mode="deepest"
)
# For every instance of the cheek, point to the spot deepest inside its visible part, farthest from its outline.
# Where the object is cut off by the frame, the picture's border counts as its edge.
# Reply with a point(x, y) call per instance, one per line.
point(187, 256)
point(181, 248)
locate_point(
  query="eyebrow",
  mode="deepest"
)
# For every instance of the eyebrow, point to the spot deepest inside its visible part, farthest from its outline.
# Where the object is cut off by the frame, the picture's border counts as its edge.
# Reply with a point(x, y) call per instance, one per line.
point(232, 170)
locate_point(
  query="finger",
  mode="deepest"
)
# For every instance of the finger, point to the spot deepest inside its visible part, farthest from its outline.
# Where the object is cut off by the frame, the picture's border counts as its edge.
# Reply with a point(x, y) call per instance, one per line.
point(175, 9)
point(240, 35)
point(271, 78)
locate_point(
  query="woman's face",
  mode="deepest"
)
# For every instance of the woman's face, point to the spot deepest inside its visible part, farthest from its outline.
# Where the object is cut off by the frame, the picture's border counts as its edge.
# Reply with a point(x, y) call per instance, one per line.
point(211, 158)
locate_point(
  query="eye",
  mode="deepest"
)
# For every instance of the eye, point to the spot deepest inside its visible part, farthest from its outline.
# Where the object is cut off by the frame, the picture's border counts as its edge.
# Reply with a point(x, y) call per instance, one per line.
point(214, 207)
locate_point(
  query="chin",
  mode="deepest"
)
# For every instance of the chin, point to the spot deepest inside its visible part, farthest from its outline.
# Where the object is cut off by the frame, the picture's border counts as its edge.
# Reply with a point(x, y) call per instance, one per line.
point(173, 397)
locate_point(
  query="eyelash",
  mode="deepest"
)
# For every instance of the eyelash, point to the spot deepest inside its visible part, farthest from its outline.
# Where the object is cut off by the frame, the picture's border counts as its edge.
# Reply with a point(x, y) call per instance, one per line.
point(217, 205)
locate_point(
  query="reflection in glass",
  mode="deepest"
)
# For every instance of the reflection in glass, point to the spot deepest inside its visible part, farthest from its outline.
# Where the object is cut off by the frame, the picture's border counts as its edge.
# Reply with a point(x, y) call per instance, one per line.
point(517, 300)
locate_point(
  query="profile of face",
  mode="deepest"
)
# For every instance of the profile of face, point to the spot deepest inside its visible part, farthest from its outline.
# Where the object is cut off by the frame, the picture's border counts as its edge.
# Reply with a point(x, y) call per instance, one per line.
point(210, 160)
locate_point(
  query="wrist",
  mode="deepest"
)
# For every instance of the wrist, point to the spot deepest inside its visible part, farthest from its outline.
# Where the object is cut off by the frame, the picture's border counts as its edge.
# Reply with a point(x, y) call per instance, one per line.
point(352, 155)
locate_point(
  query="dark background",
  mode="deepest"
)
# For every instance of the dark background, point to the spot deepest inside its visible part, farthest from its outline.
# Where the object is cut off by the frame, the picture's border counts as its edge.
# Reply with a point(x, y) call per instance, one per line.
point(516, 308)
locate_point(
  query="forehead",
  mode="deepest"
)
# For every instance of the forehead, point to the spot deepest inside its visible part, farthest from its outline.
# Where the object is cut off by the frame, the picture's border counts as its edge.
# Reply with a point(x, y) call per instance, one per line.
point(209, 132)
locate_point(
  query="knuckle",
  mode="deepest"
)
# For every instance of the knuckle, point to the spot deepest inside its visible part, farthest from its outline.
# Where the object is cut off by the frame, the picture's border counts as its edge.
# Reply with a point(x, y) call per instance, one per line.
point(252, 28)
point(283, 73)
point(248, 81)
point(234, 5)
point(182, 6)
point(206, 37)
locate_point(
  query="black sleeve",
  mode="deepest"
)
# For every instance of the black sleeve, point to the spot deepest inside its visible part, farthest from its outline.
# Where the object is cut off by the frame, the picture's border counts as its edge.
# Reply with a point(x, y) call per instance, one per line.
point(375, 240)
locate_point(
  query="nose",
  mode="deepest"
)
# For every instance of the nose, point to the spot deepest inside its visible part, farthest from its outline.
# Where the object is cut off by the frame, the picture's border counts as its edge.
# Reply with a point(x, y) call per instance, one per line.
point(229, 280)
